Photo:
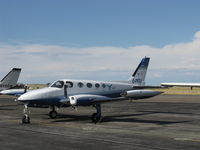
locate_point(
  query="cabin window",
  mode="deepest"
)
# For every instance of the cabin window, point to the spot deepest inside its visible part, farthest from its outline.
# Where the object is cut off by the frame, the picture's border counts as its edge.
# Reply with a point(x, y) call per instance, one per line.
point(58, 84)
point(80, 84)
point(97, 85)
point(89, 85)
point(103, 85)
point(69, 84)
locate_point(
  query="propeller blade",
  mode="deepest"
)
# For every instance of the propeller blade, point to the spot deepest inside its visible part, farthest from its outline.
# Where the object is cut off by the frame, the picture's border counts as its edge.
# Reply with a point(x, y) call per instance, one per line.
point(65, 90)
point(25, 89)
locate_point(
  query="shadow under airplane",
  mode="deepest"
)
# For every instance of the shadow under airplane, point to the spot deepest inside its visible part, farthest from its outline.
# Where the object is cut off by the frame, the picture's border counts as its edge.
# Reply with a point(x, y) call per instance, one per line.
point(116, 118)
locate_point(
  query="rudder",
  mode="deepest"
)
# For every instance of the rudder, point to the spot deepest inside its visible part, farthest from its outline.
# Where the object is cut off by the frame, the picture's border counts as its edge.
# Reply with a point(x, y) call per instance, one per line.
point(12, 77)
point(138, 77)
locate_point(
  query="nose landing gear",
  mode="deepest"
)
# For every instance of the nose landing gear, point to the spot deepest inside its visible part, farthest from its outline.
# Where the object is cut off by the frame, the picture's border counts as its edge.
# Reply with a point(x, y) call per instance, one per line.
point(26, 118)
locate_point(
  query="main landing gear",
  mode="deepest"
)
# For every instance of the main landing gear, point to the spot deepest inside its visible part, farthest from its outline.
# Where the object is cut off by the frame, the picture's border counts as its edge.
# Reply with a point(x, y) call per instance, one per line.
point(53, 113)
point(96, 117)
point(26, 118)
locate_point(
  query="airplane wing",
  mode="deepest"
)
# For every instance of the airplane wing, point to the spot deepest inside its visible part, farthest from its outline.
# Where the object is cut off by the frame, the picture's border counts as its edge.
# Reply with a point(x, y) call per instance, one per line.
point(87, 99)
point(97, 101)
point(13, 92)
point(181, 84)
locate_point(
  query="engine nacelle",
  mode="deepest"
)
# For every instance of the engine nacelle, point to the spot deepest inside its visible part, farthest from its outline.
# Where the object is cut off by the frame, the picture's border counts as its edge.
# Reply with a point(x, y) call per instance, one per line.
point(85, 99)
point(139, 94)
point(81, 100)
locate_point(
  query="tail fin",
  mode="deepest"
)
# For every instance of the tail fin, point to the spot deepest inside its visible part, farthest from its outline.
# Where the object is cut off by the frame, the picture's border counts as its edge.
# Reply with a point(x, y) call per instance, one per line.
point(11, 78)
point(138, 77)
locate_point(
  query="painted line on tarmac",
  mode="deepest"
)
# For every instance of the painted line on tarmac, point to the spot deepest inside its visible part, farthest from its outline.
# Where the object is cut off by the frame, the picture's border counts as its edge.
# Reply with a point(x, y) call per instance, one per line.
point(187, 139)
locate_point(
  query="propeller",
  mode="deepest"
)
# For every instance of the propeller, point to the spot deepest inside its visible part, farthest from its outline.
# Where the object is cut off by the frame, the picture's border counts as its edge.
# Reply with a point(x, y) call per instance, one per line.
point(65, 90)
point(25, 88)
point(66, 99)
point(66, 95)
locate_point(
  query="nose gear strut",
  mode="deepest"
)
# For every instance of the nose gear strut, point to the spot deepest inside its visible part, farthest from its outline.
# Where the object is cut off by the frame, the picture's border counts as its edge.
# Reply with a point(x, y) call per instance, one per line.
point(26, 118)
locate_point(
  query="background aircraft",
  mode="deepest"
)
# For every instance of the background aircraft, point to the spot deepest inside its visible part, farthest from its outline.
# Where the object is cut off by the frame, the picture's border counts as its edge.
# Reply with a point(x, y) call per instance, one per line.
point(67, 92)
point(191, 85)
point(14, 92)
point(10, 80)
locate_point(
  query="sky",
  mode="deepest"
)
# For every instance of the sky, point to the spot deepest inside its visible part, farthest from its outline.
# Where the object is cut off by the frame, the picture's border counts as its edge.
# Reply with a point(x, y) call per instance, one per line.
point(100, 40)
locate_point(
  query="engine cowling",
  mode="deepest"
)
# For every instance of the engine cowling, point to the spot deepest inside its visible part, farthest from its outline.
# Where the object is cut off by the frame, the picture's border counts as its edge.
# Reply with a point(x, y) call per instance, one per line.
point(81, 100)
point(139, 94)
point(84, 99)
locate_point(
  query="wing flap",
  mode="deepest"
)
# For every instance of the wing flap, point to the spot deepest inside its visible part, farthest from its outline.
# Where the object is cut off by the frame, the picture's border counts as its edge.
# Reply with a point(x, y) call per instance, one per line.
point(96, 101)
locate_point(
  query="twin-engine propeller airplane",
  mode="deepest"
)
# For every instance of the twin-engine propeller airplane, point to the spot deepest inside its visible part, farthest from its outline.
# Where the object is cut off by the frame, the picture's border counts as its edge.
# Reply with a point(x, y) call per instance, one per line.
point(74, 93)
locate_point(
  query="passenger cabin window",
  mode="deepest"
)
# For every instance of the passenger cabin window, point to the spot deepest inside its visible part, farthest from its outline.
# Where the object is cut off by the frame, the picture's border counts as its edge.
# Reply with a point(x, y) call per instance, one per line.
point(69, 84)
point(89, 85)
point(80, 84)
point(58, 84)
point(97, 85)
point(103, 85)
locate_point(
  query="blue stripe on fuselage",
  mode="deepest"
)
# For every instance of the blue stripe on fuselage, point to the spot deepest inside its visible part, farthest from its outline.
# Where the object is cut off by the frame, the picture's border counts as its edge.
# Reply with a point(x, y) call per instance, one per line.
point(56, 100)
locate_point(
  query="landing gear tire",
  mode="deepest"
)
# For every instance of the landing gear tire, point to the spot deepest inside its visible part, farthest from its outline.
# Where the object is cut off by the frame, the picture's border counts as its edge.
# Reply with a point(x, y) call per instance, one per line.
point(25, 119)
point(95, 118)
point(53, 114)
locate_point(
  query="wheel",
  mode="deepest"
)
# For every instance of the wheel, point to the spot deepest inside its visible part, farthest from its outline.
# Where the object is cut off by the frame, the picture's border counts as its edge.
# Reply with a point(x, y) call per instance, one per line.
point(53, 114)
point(25, 119)
point(95, 118)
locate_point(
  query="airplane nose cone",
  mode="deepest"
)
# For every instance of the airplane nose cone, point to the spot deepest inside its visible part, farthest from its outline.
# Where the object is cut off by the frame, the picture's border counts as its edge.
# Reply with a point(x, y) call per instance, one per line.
point(28, 96)
point(39, 94)
point(22, 98)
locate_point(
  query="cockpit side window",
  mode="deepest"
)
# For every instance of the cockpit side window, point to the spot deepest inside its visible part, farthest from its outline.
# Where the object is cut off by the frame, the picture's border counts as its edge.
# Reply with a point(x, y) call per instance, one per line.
point(58, 84)
point(69, 84)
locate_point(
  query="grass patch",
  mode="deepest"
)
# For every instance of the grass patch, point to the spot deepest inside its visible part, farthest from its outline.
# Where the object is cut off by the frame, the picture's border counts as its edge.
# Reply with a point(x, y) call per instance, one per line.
point(180, 91)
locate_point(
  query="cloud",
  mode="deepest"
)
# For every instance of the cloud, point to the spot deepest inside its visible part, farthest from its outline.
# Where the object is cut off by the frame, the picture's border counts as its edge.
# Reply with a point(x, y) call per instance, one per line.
point(197, 35)
point(44, 63)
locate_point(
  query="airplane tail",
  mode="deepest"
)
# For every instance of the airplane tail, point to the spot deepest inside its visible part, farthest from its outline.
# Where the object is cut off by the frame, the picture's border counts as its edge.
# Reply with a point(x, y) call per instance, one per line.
point(138, 77)
point(11, 78)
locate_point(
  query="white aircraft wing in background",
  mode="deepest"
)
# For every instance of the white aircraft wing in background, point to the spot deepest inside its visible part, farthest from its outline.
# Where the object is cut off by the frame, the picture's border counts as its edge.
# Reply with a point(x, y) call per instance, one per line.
point(181, 84)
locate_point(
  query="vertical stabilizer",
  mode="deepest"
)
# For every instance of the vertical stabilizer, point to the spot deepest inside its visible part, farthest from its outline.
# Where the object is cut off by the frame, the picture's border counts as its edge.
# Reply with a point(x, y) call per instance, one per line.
point(138, 77)
point(10, 79)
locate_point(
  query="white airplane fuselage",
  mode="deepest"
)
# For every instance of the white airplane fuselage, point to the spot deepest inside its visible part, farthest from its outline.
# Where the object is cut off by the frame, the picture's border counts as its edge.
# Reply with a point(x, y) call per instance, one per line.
point(80, 87)
point(84, 91)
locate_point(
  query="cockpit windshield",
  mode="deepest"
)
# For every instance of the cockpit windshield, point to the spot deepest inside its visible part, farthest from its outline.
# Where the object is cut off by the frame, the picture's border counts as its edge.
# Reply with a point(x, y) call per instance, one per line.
point(58, 84)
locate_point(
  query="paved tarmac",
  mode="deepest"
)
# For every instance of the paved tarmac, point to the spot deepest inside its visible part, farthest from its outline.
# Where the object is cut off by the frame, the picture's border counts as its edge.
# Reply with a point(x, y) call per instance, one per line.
point(160, 123)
